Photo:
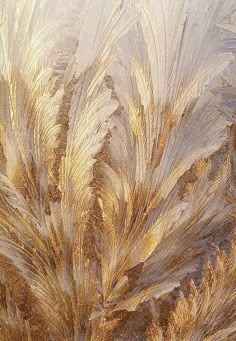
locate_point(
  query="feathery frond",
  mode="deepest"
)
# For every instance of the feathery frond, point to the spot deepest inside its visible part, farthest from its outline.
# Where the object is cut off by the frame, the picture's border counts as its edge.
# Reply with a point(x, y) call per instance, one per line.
point(209, 311)
point(117, 157)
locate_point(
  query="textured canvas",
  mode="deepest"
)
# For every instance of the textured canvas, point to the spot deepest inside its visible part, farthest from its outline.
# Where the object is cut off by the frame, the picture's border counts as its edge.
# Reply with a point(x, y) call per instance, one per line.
point(117, 170)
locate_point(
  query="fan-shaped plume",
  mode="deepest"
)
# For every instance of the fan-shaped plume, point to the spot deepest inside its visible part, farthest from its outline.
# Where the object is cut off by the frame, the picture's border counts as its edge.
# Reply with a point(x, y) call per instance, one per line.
point(209, 311)
point(117, 169)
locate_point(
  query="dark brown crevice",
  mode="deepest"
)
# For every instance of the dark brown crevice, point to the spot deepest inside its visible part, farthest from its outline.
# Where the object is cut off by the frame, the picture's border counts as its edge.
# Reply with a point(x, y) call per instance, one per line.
point(24, 300)
point(188, 177)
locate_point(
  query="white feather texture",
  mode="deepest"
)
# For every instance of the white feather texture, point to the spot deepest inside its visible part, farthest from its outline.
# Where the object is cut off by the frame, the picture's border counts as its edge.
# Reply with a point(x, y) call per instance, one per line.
point(117, 168)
